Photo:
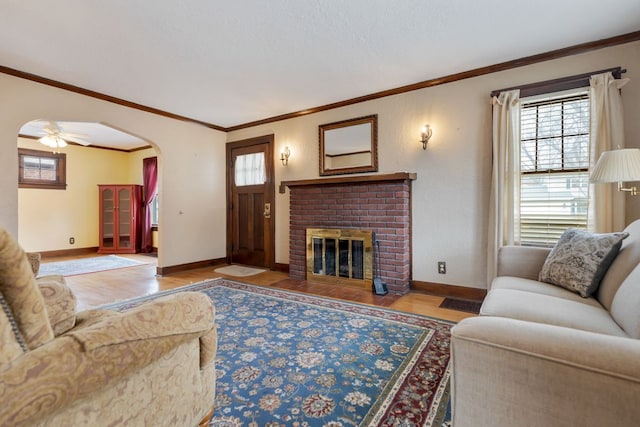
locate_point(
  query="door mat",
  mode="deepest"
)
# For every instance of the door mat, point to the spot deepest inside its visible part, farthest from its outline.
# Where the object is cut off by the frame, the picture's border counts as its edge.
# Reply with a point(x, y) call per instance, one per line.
point(466, 305)
point(239, 270)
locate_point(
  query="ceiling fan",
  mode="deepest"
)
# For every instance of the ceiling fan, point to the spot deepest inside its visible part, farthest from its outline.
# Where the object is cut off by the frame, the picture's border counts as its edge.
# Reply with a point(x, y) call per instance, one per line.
point(55, 136)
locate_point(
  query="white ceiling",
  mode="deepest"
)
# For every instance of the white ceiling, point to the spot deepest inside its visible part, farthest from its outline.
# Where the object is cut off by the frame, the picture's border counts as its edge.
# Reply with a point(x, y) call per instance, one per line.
point(85, 133)
point(232, 62)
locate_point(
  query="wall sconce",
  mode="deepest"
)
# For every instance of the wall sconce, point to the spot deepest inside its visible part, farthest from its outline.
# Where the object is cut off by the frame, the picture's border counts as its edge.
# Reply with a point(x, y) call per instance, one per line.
point(618, 166)
point(426, 134)
point(284, 156)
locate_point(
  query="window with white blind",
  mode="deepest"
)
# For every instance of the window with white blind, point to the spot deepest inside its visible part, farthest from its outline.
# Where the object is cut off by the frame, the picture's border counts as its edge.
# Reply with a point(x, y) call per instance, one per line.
point(554, 161)
point(41, 169)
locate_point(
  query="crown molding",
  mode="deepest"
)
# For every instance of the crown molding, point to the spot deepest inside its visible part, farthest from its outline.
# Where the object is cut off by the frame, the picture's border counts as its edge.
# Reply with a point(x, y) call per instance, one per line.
point(102, 96)
point(503, 66)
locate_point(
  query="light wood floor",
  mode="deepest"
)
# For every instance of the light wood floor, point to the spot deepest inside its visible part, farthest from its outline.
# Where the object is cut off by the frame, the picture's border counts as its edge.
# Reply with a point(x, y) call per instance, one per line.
point(115, 285)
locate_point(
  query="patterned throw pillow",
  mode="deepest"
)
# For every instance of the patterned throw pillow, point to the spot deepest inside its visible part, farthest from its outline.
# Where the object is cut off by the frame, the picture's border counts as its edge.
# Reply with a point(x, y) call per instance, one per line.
point(580, 259)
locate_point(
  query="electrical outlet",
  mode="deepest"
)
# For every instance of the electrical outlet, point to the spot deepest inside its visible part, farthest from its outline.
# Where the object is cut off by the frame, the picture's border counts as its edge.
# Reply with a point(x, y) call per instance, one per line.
point(442, 267)
point(72, 240)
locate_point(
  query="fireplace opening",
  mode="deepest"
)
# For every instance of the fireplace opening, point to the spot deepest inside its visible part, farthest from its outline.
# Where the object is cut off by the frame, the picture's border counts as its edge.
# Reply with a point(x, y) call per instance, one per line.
point(340, 256)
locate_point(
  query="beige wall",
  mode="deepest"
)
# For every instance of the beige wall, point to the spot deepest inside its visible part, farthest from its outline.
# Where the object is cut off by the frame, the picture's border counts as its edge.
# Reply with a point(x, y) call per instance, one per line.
point(451, 194)
point(48, 218)
point(191, 165)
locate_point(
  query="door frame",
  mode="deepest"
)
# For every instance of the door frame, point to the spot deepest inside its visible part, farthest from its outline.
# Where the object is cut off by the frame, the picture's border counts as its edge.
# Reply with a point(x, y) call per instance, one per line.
point(270, 255)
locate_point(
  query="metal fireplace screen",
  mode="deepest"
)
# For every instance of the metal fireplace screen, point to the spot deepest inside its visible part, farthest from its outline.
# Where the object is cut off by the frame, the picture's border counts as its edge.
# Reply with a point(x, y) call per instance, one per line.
point(340, 256)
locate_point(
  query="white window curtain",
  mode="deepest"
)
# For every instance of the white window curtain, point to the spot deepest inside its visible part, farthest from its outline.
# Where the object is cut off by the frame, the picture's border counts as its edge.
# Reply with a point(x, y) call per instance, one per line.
point(250, 169)
point(505, 177)
point(606, 204)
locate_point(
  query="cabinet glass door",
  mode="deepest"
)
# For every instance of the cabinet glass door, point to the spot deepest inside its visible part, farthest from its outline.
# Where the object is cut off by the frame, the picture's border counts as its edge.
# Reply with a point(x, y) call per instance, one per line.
point(124, 218)
point(108, 225)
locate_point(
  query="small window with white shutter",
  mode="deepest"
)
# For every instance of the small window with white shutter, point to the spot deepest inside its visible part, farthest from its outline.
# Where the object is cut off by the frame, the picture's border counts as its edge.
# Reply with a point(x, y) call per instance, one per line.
point(42, 169)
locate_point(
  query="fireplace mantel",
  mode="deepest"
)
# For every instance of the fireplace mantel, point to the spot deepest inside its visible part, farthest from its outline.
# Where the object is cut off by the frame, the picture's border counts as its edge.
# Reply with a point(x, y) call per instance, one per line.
point(397, 176)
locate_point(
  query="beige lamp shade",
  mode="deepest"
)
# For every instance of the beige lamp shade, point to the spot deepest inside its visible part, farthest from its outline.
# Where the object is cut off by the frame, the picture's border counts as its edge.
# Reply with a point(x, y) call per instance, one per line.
point(617, 166)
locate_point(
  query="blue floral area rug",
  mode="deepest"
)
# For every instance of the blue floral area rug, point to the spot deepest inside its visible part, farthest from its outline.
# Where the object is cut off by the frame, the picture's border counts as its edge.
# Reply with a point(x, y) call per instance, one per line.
point(86, 265)
point(292, 359)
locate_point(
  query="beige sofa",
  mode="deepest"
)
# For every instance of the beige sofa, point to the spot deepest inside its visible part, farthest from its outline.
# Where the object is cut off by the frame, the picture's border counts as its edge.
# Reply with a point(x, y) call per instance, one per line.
point(540, 355)
point(150, 366)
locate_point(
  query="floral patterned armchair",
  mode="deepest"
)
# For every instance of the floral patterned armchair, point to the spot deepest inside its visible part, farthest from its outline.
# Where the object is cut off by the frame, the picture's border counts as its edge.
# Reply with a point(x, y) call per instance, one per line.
point(151, 365)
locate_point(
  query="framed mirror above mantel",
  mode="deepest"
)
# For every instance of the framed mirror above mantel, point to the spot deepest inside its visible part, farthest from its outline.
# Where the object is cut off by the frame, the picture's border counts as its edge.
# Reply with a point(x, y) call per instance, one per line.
point(349, 146)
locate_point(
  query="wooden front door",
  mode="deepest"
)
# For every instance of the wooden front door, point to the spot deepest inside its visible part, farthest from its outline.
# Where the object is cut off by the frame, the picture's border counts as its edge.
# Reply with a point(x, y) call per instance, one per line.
point(250, 207)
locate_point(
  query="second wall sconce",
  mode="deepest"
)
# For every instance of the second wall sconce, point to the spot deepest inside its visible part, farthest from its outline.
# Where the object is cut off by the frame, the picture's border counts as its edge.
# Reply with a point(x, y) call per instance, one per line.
point(426, 134)
point(284, 156)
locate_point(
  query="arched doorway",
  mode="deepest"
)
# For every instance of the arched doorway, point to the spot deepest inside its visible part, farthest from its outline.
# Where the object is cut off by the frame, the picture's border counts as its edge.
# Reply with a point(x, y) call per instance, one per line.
point(66, 218)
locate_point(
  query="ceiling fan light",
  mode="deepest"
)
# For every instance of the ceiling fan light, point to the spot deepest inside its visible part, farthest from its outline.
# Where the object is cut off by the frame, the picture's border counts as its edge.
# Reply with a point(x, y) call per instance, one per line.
point(48, 141)
point(53, 141)
point(61, 142)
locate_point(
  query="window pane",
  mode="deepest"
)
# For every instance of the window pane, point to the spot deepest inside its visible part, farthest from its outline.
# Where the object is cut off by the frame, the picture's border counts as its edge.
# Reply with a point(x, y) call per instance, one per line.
point(31, 161)
point(41, 169)
point(576, 116)
point(528, 156)
point(550, 154)
point(554, 161)
point(576, 150)
point(250, 169)
point(528, 123)
point(36, 168)
point(551, 203)
point(549, 120)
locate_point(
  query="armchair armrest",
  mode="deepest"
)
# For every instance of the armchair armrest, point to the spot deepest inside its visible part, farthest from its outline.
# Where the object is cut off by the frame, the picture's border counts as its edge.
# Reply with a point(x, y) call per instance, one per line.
point(521, 261)
point(80, 362)
point(177, 314)
point(512, 372)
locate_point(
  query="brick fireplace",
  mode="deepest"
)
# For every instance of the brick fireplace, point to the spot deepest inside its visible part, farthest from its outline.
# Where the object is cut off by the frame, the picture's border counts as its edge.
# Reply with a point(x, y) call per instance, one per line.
point(379, 203)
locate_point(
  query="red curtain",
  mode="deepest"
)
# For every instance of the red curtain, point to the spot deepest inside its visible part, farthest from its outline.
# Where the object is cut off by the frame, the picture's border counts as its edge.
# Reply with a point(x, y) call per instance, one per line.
point(150, 185)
